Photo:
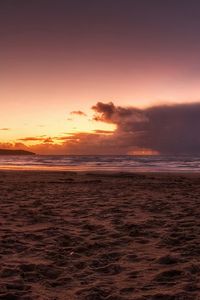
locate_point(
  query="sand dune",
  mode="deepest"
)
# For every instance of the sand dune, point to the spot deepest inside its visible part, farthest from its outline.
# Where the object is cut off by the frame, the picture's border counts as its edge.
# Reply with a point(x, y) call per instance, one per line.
point(99, 236)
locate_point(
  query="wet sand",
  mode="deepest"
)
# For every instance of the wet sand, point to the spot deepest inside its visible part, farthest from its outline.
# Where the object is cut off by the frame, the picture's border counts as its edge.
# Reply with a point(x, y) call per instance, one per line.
point(99, 236)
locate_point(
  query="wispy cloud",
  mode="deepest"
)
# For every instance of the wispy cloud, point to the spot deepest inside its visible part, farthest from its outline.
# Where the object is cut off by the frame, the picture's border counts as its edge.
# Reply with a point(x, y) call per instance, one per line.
point(78, 113)
point(43, 139)
point(5, 129)
point(31, 139)
point(99, 131)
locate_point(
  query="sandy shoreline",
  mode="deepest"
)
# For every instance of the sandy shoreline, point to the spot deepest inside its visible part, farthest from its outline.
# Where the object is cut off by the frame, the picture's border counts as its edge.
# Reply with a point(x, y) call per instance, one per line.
point(94, 236)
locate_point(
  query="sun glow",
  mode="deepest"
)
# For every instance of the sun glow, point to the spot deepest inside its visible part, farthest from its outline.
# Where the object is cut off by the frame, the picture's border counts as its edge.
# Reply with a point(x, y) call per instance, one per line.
point(54, 133)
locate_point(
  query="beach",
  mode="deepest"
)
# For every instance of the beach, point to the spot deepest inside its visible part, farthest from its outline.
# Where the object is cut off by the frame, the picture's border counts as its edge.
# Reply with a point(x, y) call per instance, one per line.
point(96, 236)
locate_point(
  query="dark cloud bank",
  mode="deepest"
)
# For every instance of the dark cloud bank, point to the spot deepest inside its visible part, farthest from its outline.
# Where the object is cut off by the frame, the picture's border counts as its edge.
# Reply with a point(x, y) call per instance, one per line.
point(167, 129)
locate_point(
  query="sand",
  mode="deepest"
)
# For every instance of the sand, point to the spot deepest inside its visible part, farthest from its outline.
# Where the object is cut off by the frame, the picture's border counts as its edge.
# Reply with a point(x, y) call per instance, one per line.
point(99, 236)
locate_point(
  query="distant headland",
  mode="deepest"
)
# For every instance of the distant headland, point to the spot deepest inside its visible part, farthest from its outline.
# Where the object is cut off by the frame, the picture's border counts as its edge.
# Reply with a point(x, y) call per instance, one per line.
point(15, 152)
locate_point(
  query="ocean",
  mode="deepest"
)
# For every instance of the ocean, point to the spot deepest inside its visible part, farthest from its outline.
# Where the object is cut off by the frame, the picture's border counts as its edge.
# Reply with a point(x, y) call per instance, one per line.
point(121, 163)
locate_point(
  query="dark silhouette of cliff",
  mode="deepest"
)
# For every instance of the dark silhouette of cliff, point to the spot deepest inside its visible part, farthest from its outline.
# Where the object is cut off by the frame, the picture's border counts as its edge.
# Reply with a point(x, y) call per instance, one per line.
point(15, 152)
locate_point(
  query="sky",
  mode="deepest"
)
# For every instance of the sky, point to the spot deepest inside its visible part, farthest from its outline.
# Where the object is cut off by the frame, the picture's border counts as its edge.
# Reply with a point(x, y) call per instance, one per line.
point(63, 63)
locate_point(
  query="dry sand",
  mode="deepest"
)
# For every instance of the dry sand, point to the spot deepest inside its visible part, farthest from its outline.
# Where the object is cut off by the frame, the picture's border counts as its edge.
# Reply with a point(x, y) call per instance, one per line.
point(99, 236)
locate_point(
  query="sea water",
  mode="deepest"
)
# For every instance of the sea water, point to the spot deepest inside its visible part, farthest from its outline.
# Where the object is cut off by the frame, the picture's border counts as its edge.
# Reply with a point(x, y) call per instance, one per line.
point(122, 163)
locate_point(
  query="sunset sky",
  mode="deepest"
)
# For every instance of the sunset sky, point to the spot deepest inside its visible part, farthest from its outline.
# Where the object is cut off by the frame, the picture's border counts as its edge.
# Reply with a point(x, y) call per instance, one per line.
point(60, 58)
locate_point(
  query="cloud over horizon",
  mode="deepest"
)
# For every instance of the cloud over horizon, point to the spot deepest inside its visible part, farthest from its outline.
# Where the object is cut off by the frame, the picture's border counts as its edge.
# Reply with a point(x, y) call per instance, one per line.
point(168, 129)
point(164, 129)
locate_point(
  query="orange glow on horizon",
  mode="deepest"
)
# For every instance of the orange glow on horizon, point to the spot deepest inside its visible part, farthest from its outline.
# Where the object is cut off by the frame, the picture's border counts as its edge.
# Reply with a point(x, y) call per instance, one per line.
point(143, 152)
